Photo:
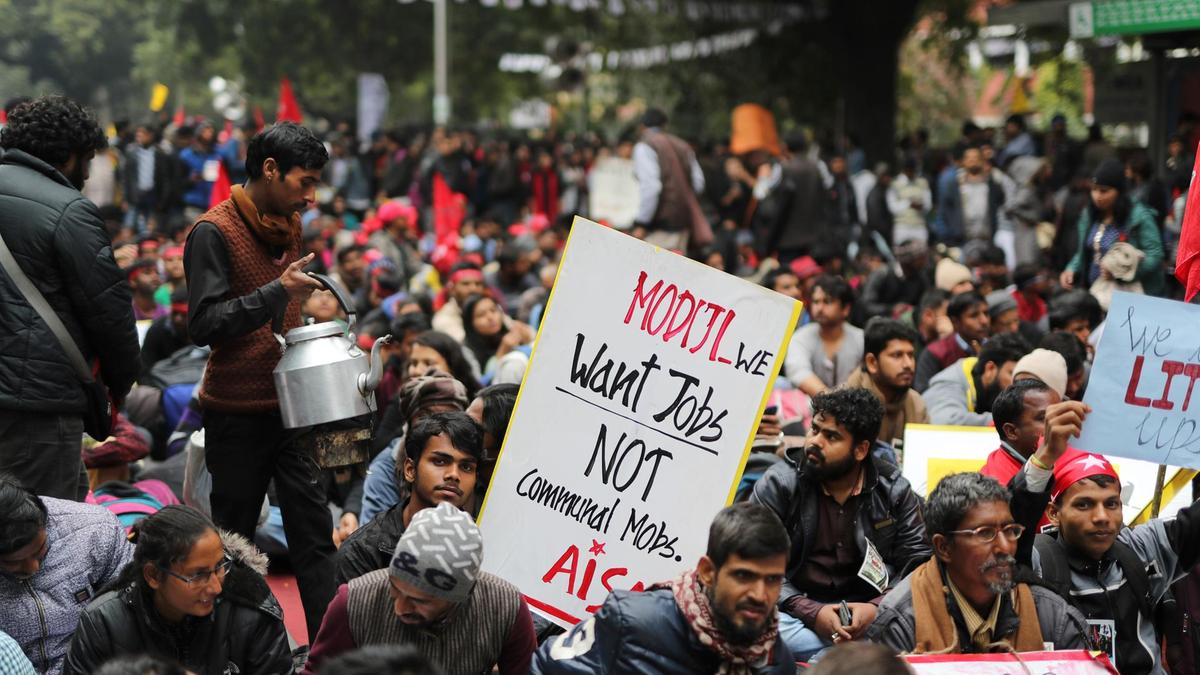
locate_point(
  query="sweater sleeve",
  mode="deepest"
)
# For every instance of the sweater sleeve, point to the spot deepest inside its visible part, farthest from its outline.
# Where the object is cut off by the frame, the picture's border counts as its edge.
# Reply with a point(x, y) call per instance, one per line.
point(520, 644)
point(334, 636)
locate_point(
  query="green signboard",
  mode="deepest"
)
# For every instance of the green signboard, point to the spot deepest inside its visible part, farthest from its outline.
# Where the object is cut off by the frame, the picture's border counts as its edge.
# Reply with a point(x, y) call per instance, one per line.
point(1132, 17)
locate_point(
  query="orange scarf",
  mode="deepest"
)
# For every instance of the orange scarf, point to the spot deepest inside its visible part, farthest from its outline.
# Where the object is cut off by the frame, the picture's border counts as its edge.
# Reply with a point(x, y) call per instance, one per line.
point(274, 230)
point(936, 632)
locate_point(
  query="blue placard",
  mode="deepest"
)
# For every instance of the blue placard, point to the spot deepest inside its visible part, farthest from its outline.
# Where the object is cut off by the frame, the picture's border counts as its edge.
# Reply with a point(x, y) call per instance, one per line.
point(1145, 404)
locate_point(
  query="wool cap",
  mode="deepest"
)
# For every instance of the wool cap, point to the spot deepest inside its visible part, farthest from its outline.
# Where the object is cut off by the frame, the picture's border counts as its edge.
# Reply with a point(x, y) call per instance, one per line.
point(1000, 302)
point(440, 553)
point(949, 274)
point(1110, 173)
point(1048, 366)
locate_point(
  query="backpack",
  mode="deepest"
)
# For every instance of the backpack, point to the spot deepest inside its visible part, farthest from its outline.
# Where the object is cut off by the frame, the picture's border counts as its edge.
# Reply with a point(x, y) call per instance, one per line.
point(1057, 572)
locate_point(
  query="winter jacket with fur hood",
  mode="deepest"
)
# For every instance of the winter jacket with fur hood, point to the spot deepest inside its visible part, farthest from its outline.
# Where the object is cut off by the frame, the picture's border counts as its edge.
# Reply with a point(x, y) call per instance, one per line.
point(244, 634)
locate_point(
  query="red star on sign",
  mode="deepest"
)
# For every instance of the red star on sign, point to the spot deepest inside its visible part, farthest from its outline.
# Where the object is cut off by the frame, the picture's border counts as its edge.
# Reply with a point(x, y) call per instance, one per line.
point(597, 548)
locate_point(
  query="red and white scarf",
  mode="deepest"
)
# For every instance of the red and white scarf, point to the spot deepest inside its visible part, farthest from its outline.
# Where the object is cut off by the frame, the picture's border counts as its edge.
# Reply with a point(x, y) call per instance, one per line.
point(735, 659)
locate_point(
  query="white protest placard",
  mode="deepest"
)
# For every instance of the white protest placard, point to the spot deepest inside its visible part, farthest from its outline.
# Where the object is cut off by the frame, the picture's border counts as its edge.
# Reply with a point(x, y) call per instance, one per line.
point(1067, 662)
point(1141, 385)
point(613, 192)
point(933, 451)
point(633, 424)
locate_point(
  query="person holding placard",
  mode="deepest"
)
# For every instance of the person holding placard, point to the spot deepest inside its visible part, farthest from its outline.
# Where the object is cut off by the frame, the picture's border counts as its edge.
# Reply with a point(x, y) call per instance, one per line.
point(717, 618)
point(966, 598)
point(1115, 576)
point(854, 521)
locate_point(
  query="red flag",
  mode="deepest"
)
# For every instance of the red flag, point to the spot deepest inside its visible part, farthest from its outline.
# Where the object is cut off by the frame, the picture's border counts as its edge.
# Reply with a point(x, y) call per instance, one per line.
point(1187, 271)
point(3, 116)
point(226, 133)
point(259, 122)
point(221, 188)
point(180, 116)
point(289, 109)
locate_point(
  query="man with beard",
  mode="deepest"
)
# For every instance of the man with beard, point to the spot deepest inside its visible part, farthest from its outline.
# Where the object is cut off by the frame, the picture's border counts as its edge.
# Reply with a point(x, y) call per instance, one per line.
point(966, 598)
point(1115, 576)
point(59, 241)
point(855, 523)
point(245, 281)
point(434, 597)
point(55, 556)
point(963, 394)
point(717, 618)
point(887, 372)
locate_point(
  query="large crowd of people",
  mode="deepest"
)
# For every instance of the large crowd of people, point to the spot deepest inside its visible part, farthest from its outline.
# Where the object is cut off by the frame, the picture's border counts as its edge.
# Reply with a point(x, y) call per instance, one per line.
point(966, 287)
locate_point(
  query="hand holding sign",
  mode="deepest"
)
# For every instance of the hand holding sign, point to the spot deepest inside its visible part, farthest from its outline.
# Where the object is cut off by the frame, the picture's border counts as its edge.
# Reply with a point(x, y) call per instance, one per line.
point(1064, 421)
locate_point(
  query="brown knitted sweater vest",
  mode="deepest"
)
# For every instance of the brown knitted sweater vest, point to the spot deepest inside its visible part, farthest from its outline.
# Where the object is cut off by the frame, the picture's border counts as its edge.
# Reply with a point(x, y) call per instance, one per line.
point(468, 643)
point(239, 376)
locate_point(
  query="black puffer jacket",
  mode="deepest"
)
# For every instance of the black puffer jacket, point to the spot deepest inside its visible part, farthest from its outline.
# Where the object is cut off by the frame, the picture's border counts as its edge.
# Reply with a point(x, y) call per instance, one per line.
point(371, 546)
point(640, 633)
point(59, 240)
point(889, 517)
point(243, 634)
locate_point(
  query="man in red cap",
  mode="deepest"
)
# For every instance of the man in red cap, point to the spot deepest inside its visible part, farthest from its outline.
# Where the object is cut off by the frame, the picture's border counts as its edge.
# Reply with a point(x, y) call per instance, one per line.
point(1115, 576)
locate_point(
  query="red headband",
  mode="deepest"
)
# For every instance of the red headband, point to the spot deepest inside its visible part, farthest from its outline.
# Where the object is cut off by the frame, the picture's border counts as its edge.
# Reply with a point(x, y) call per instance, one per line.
point(1077, 468)
point(179, 307)
point(466, 274)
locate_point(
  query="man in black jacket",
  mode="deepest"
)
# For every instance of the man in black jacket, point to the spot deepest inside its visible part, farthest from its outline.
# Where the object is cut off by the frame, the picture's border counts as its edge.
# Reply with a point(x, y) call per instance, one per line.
point(855, 523)
point(717, 618)
point(59, 240)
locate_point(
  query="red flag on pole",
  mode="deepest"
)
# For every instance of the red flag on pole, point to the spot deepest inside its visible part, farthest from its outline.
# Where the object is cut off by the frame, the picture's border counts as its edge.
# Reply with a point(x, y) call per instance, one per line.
point(180, 116)
point(3, 116)
point(1187, 269)
point(289, 109)
point(221, 188)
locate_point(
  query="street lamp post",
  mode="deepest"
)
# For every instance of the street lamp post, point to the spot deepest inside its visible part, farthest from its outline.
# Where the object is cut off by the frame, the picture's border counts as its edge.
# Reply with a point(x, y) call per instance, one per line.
point(441, 99)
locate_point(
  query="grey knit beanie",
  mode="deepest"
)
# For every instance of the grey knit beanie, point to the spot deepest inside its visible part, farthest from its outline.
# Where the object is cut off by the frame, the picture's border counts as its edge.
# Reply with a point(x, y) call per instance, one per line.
point(440, 553)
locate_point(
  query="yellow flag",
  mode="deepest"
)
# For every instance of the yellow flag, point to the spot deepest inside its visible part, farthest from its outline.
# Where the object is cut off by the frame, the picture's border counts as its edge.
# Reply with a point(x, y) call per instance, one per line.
point(1020, 101)
point(158, 97)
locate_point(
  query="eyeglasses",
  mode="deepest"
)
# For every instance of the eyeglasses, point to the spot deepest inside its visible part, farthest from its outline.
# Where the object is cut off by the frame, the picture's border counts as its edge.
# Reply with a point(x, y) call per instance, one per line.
point(988, 533)
point(202, 578)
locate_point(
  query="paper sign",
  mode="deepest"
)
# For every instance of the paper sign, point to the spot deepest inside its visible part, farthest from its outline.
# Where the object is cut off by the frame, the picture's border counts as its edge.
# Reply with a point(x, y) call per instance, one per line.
point(1072, 662)
point(932, 452)
point(613, 192)
point(633, 424)
point(1141, 385)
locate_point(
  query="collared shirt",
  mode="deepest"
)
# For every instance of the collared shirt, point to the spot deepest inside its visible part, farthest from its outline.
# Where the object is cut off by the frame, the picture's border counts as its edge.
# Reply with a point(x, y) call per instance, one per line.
point(830, 572)
point(979, 628)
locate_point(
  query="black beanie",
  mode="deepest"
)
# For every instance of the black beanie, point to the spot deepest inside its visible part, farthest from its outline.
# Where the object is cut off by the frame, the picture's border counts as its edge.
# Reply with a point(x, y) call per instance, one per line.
point(1110, 173)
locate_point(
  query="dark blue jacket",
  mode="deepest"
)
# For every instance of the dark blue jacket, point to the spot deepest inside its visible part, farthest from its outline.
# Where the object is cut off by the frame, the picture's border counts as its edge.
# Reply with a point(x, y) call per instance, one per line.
point(639, 633)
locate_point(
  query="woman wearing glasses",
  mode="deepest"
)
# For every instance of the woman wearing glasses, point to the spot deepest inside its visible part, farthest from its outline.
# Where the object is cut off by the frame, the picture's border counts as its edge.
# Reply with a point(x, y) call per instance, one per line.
point(190, 595)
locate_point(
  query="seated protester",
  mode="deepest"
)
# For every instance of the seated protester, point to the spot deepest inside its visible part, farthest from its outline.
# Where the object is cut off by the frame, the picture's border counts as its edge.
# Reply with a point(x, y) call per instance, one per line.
point(465, 622)
point(167, 334)
point(969, 316)
point(953, 277)
point(443, 453)
point(1002, 313)
point(887, 372)
point(465, 280)
point(1077, 312)
point(966, 598)
point(514, 273)
point(190, 595)
point(396, 354)
point(1019, 414)
point(384, 486)
point(1030, 287)
point(491, 333)
point(55, 556)
point(491, 410)
point(381, 660)
point(929, 318)
point(1074, 352)
point(717, 618)
point(846, 510)
point(963, 393)
point(140, 665)
point(1114, 575)
point(823, 354)
point(429, 350)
